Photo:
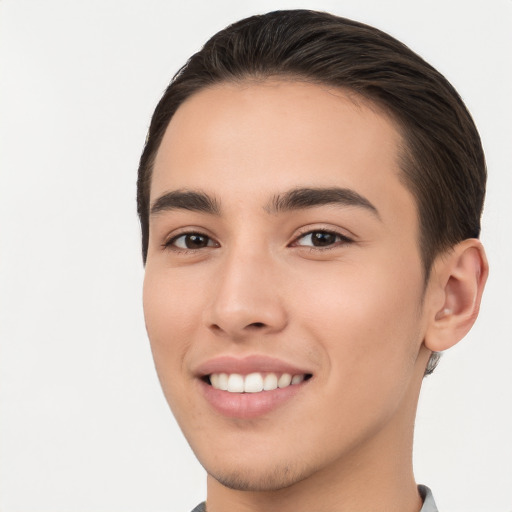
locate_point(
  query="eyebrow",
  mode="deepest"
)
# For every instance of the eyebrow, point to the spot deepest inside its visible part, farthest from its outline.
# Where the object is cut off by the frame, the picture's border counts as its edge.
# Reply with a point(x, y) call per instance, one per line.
point(186, 200)
point(301, 198)
point(296, 199)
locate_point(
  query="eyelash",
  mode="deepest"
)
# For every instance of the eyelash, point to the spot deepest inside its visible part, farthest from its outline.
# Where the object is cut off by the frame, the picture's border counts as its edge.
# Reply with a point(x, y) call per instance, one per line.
point(169, 244)
point(340, 240)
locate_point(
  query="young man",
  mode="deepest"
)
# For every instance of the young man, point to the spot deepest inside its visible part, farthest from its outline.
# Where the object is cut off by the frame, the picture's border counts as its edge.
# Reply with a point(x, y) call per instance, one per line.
point(310, 196)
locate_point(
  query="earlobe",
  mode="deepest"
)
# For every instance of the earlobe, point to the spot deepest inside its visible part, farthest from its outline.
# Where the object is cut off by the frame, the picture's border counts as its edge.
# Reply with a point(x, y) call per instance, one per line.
point(459, 277)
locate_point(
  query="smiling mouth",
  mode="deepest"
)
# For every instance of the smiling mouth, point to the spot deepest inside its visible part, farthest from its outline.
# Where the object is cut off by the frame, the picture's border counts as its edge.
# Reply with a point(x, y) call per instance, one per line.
point(255, 382)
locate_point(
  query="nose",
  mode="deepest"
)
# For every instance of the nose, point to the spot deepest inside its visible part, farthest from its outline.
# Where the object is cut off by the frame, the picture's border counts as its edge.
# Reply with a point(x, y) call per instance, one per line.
point(246, 297)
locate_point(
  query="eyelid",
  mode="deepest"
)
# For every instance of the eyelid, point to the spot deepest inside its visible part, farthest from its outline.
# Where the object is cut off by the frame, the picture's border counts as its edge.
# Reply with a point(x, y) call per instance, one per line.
point(345, 240)
point(302, 232)
point(170, 239)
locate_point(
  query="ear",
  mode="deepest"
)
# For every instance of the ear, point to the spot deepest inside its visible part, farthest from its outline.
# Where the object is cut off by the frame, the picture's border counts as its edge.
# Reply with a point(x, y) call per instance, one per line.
point(456, 286)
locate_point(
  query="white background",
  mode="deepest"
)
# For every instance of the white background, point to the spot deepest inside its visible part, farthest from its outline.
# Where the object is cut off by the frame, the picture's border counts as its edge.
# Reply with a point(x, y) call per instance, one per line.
point(83, 423)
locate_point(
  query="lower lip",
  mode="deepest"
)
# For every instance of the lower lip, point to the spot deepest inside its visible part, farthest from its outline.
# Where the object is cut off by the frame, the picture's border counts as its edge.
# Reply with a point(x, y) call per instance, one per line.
point(248, 405)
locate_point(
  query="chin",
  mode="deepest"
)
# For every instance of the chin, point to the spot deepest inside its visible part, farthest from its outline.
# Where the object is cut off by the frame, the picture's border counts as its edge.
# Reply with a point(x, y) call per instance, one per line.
point(264, 480)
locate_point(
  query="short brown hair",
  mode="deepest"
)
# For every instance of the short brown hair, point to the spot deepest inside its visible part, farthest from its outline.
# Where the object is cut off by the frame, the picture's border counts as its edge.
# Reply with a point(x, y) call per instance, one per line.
point(442, 160)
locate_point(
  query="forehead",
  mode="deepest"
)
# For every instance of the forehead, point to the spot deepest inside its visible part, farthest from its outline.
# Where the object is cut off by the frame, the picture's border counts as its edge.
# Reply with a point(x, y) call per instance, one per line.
point(254, 139)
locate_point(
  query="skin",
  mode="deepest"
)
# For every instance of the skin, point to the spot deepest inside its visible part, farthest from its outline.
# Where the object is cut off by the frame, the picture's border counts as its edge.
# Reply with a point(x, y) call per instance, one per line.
point(356, 314)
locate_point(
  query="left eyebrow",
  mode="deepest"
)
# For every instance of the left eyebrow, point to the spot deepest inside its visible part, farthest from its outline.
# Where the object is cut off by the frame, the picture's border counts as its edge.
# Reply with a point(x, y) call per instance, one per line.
point(301, 198)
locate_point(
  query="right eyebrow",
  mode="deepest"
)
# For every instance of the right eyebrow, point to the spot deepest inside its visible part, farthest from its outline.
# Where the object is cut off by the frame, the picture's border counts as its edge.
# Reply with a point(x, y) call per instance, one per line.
point(185, 200)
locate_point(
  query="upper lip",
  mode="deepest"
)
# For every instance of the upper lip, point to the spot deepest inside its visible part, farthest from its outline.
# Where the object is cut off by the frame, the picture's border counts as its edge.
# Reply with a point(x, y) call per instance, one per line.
point(248, 364)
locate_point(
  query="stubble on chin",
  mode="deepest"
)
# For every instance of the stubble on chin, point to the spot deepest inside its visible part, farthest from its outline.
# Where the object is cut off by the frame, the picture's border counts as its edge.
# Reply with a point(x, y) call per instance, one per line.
point(275, 479)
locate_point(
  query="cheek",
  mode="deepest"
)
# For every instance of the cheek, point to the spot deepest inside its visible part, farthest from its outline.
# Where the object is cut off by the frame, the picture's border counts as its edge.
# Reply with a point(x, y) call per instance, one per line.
point(365, 317)
point(367, 328)
point(171, 316)
point(171, 303)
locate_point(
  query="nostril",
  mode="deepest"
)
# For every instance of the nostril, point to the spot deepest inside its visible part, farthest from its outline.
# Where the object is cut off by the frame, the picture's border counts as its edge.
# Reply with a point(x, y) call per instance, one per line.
point(257, 325)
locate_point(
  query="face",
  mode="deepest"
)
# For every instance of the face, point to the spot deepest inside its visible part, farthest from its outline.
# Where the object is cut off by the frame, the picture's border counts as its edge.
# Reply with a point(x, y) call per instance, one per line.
point(284, 294)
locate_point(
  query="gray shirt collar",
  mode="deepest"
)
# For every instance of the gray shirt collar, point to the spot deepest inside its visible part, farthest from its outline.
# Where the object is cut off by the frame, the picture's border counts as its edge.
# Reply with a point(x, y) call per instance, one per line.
point(429, 505)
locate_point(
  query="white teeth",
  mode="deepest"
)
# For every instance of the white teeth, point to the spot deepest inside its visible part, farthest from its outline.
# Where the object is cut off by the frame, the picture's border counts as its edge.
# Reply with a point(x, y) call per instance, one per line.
point(222, 381)
point(297, 379)
point(214, 380)
point(284, 381)
point(253, 382)
point(270, 382)
point(235, 383)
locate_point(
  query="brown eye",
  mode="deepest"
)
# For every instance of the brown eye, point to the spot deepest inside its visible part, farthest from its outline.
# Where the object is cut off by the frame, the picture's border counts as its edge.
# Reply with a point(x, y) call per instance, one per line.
point(321, 239)
point(191, 241)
